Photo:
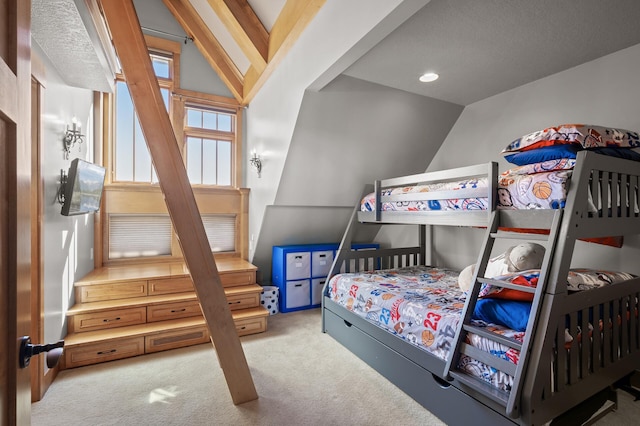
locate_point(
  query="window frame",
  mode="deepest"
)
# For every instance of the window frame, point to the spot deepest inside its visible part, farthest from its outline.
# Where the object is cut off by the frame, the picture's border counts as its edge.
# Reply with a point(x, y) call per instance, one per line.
point(184, 98)
point(146, 198)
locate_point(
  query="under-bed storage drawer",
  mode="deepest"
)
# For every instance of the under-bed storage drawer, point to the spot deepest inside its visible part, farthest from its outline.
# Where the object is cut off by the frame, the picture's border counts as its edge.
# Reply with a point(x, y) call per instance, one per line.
point(440, 398)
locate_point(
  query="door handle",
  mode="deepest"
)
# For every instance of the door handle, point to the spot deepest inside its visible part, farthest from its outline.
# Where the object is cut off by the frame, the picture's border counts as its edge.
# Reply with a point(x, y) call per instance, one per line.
point(27, 350)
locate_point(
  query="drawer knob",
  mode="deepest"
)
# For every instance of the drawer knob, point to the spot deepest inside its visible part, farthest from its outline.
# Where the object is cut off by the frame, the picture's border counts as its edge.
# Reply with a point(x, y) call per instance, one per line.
point(112, 351)
point(174, 311)
point(109, 320)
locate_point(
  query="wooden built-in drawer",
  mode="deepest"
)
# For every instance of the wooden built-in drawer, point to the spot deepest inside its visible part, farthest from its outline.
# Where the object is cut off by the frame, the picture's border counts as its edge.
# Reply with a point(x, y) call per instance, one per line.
point(176, 339)
point(243, 301)
point(238, 278)
point(170, 285)
point(113, 291)
point(107, 319)
point(168, 311)
point(110, 350)
point(251, 326)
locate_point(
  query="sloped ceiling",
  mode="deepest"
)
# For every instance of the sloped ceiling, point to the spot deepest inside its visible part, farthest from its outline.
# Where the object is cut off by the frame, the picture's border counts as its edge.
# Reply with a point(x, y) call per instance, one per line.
point(65, 31)
point(243, 40)
point(482, 48)
point(479, 48)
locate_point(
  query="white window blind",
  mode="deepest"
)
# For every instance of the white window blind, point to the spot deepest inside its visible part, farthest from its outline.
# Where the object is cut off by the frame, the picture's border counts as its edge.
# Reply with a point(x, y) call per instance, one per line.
point(221, 231)
point(139, 235)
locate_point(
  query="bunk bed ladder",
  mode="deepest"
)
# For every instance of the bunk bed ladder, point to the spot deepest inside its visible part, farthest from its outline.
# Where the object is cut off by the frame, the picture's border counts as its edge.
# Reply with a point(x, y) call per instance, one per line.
point(508, 400)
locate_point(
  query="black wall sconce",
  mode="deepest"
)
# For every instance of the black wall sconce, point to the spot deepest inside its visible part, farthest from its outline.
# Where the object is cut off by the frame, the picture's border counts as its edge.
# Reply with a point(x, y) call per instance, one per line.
point(256, 162)
point(71, 137)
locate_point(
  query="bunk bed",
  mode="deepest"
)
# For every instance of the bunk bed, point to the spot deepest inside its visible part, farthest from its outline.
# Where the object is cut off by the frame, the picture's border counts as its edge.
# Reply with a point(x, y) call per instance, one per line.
point(574, 347)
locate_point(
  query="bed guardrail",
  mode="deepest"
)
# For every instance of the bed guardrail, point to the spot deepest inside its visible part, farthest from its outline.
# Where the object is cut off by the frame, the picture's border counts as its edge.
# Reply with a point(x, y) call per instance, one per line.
point(462, 218)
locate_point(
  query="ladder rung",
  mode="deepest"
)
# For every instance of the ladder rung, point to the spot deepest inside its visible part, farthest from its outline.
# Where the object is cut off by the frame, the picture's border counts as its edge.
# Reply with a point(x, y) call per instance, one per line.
point(489, 359)
point(484, 388)
point(520, 236)
point(504, 284)
point(503, 340)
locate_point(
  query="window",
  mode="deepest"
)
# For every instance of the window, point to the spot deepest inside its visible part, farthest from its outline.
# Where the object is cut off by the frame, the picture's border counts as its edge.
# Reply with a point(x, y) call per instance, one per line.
point(138, 235)
point(136, 224)
point(209, 139)
point(221, 231)
point(132, 160)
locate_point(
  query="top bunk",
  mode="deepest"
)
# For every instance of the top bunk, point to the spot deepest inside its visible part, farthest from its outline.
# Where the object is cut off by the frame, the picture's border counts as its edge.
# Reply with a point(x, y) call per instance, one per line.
point(597, 185)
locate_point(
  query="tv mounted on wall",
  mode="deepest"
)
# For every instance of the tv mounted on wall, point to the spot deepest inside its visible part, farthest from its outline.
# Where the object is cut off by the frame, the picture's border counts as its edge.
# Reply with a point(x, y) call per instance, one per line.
point(83, 188)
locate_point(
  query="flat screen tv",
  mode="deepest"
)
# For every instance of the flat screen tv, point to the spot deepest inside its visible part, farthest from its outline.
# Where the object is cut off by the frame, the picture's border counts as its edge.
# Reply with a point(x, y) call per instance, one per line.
point(83, 188)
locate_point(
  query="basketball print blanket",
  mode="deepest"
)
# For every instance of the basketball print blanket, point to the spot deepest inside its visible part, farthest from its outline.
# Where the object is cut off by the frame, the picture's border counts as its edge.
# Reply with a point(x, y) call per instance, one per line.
point(533, 191)
point(516, 191)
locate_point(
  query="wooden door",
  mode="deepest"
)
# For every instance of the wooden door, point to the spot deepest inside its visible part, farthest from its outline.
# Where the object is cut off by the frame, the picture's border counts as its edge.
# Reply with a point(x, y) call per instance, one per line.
point(15, 211)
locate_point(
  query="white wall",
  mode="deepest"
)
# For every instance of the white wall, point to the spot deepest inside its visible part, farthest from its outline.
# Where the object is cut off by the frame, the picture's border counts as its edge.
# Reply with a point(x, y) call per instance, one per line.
point(67, 244)
point(604, 91)
point(271, 116)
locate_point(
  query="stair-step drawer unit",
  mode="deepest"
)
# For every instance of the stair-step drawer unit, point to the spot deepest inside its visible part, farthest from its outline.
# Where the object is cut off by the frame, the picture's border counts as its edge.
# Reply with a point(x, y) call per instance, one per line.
point(131, 310)
point(300, 272)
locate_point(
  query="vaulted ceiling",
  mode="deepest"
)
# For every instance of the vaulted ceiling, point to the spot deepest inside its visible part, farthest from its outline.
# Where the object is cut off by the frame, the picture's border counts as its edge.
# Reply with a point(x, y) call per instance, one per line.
point(243, 40)
point(480, 49)
point(233, 38)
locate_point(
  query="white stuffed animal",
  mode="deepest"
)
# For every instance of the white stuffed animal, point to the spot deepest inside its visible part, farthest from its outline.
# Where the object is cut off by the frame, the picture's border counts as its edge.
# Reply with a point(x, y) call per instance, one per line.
point(517, 258)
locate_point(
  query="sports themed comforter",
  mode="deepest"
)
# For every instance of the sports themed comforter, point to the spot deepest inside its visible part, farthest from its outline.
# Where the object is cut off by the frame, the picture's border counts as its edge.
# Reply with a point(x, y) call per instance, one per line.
point(542, 190)
point(423, 306)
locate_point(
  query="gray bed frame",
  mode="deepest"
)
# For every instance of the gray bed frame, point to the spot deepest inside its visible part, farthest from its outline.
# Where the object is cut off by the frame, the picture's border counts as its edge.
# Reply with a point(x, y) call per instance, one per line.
point(552, 382)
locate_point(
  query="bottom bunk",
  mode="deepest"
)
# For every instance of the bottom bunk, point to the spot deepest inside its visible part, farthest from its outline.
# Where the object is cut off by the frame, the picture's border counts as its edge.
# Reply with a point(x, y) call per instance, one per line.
point(406, 333)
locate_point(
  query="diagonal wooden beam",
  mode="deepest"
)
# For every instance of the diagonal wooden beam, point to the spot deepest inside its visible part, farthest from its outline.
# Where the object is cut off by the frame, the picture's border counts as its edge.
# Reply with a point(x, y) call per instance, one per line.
point(293, 19)
point(207, 44)
point(134, 58)
point(245, 28)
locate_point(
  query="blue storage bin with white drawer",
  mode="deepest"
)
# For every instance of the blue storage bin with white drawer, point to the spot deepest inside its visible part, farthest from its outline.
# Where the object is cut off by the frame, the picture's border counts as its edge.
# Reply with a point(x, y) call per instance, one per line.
point(300, 272)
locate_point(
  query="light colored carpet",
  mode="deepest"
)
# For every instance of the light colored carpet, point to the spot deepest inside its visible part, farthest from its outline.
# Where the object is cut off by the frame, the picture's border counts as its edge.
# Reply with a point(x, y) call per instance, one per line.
point(303, 377)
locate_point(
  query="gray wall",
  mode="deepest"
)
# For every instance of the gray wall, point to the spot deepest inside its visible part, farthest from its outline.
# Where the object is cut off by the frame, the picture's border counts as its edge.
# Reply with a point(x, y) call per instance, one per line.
point(67, 245)
point(347, 135)
point(604, 91)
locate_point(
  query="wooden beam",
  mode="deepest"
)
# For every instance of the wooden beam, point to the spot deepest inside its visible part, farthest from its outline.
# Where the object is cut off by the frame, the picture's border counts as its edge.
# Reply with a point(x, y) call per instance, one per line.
point(8, 92)
point(131, 48)
point(245, 28)
point(293, 19)
point(207, 44)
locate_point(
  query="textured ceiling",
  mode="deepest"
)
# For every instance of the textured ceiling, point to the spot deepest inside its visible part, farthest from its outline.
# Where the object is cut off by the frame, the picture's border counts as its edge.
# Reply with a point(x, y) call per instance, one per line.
point(482, 48)
point(73, 47)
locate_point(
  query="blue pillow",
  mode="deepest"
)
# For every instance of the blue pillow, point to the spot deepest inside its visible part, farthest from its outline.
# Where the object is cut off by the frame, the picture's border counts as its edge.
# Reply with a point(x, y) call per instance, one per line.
point(547, 153)
point(513, 314)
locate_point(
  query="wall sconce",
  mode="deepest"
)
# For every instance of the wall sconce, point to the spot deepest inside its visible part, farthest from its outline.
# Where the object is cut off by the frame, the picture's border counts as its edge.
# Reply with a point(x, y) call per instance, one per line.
point(71, 136)
point(255, 162)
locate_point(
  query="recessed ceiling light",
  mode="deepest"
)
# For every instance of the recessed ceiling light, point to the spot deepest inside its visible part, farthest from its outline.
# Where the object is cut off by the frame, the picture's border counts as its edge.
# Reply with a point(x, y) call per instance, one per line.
point(429, 77)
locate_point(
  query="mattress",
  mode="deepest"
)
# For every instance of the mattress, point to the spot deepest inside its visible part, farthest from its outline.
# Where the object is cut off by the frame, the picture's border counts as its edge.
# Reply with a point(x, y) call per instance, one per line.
point(547, 190)
point(421, 305)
